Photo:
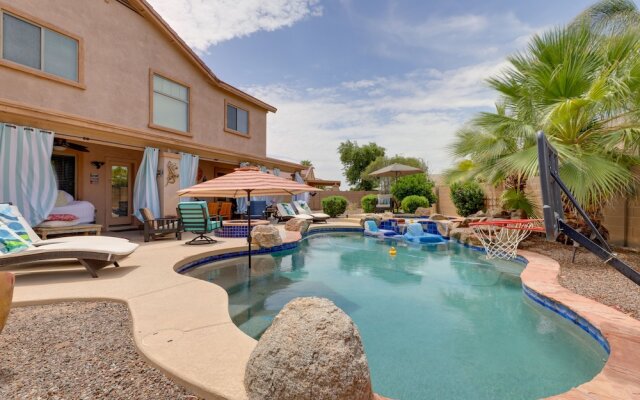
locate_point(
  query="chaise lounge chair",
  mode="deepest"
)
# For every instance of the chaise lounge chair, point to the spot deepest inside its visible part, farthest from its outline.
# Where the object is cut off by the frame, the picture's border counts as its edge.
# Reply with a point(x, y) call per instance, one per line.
point(371, 229)
point(195, 218)
point(416, 234)
point(303, 209)
point(286, 212)
point(14, 219)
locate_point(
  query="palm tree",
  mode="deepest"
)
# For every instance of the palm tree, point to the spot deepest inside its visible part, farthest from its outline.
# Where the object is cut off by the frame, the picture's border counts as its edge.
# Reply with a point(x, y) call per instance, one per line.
point(580, 84)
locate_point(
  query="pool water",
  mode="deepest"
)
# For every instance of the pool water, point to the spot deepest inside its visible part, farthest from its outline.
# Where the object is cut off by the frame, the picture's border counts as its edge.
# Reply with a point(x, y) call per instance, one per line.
point(438, 322)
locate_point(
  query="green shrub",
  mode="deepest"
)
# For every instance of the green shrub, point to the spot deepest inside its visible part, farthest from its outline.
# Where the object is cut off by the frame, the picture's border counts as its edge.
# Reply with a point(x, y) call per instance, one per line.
point(411, 203)
point(369, 203)
point(414, 185)
point(334, 205)
point(468, 197)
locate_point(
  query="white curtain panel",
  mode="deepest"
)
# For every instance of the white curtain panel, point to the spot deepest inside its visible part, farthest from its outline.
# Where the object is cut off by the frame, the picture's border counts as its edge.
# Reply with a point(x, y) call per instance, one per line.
point(145, 188)
point(27, 179)
point(188, 172)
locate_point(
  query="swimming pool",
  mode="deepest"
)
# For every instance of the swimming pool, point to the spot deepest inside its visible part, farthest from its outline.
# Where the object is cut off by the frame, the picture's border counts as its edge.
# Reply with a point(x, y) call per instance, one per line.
point(436, 321)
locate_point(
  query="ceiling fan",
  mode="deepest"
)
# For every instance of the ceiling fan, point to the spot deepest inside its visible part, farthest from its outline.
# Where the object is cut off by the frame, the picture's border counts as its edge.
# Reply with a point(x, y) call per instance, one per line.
point(63, 144)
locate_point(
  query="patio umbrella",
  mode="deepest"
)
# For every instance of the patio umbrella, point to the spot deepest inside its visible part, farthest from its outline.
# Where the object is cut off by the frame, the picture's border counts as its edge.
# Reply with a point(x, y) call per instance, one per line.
point(246, 182)
point(395, 170)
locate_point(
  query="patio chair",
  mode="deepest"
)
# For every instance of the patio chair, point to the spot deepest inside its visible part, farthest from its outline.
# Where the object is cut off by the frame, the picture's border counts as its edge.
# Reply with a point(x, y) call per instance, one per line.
point(257, 209)
point(384, 202)
point(225, 210)
point(155, 228)
point(194, 216)
point(303, 208)
point(93, 256)
point(14, 219)
point(285, 212)
point(214, 208)
point(371, 229)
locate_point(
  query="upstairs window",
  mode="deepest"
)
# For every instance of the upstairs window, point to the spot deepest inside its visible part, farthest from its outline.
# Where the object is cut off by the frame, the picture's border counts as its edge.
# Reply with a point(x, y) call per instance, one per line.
point(38, 47)
point(170, 104)
point(237, 119)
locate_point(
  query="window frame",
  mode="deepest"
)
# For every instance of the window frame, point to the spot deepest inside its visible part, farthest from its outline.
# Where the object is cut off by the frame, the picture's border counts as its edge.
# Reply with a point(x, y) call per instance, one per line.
point(233, 131)
point(153, 125)
point(80, 83)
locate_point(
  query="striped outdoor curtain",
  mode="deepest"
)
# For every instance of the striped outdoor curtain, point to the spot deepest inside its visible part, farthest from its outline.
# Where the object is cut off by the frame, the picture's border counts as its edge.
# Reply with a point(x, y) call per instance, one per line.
point(145, 188)
point(302, 196)
point(188, 171)
point(27, 178)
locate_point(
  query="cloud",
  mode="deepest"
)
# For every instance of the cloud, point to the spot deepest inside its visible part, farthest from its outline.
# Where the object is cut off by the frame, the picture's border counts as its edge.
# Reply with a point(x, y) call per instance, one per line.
point(477, 36)
point(203, 23)
point(414, 114)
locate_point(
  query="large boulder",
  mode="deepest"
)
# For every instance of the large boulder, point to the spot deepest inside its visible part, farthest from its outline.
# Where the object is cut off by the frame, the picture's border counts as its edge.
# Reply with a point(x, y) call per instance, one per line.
point(422, 212)
point(465, 236)
point(7, 281)
point(266, 236)
point(311, 351)
point(297, 225)
point(438, 217)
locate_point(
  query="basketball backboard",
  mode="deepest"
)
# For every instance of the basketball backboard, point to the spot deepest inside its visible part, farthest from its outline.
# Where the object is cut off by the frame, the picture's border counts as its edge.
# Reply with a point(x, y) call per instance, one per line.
point(551, 201)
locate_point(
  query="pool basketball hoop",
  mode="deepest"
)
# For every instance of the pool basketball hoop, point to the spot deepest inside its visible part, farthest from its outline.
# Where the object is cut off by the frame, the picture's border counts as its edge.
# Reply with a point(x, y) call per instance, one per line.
point(500, 238)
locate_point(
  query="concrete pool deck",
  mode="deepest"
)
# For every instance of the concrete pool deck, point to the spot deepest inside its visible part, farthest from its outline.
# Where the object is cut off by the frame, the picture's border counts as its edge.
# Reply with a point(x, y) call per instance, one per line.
point(181, 325)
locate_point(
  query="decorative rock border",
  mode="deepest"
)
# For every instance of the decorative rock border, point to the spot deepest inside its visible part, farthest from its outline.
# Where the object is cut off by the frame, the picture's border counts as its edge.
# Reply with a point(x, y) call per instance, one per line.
point(616, 332)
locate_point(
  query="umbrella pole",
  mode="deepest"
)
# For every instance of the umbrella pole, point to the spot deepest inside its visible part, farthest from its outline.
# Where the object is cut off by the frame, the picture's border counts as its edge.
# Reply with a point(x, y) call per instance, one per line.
point(249, 224)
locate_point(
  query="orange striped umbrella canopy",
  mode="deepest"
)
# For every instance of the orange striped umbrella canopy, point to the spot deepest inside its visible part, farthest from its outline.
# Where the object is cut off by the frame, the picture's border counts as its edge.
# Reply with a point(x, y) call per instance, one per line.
point(237, 183)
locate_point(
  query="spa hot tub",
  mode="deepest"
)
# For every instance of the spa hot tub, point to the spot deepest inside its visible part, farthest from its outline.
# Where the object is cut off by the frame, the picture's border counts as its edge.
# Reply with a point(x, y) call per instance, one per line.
point(237, 228)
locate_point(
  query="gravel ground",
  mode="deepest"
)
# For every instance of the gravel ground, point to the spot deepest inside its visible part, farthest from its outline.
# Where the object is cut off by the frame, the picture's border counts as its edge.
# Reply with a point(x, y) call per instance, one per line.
point(77, 351)
point(590, 277)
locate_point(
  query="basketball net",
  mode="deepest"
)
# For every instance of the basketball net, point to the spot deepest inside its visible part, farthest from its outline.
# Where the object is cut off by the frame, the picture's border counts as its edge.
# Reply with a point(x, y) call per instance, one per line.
point(500, 238)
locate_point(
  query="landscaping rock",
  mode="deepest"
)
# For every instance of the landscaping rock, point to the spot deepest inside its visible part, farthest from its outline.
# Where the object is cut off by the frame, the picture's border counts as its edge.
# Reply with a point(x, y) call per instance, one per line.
point(376, 218)
point(465, 236)
point(266, 236)
point(7, 281)
point(438, 217)
point(297, 225)
point(311, 351)
point(422, 212)
point(444, 227)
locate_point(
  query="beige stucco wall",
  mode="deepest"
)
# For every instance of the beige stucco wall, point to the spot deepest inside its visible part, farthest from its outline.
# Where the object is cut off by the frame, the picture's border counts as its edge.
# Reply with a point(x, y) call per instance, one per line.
point(120, 49)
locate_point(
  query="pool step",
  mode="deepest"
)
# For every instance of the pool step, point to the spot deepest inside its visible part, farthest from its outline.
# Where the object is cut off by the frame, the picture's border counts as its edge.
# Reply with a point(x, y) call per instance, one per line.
point(236, 309)
point(256, 326)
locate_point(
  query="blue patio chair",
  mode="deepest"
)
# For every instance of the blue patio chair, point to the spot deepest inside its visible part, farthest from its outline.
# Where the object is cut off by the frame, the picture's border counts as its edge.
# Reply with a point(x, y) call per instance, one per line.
point(371, 229)
point(416, 234)
point(195, 218)
point(258, 209)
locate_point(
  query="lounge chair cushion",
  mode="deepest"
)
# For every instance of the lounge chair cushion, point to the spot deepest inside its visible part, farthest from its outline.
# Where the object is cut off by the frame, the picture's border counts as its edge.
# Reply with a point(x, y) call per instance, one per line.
point(10, 241)
point(10, 218)
point(63, 198)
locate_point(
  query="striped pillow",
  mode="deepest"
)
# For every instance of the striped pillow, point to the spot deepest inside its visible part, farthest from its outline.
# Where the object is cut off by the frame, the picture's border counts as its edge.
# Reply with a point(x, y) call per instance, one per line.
point(8, 217)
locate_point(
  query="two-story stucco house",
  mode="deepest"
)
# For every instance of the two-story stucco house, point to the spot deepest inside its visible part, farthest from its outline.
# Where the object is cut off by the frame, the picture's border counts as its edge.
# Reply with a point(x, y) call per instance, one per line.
point(112, 76)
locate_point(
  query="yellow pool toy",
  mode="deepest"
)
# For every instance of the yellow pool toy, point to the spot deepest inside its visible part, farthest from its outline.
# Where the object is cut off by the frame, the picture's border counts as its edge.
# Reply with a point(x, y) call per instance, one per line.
point(392, 251)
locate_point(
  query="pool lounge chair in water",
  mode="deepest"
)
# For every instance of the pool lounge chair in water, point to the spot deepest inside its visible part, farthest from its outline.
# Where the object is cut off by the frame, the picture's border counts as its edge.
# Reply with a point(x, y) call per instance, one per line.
point(416, 234)
point(371, 229)
point(303, 209)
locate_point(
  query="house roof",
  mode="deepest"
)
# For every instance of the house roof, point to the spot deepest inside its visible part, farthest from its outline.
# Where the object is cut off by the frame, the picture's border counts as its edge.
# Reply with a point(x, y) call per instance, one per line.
point(146, 11)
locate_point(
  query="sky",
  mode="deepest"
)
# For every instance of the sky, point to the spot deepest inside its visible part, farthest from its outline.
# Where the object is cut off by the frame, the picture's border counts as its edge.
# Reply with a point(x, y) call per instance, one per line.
point(405, 74)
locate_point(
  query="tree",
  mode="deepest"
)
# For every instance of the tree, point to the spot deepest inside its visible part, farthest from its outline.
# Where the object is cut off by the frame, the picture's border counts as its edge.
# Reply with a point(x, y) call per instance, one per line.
point(355, 159)
point(414, 185)
point(580, 84)
point(306, 163)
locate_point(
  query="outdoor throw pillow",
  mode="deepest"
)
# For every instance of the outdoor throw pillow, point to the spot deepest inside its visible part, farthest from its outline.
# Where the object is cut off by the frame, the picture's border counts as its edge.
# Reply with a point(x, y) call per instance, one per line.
point(61, 217)
point(10, 242)
point(8, 217)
